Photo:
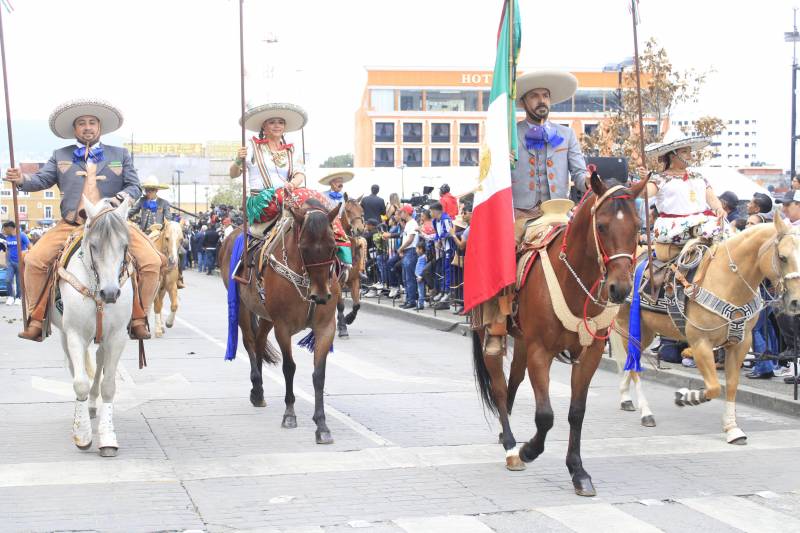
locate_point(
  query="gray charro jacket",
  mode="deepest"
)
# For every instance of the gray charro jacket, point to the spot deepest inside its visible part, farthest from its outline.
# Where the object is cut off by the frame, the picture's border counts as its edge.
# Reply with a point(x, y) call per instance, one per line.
point(549, 172)
point(115, 174)
point(147, 217)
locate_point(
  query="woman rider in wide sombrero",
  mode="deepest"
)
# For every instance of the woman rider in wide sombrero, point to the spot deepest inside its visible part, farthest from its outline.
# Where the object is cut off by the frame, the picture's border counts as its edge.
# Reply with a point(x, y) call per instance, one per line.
point(274, 169)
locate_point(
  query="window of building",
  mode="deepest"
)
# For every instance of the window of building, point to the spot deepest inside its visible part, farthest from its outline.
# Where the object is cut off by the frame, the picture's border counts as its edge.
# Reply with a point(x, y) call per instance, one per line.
point(440, 132)
point(651, 131)
point(746, 145)
point(48, 211)
point(384, 157)
point(410, 100)
point(747, 122)
point(382, 100)
point(23, 209)
point(412, 157)
point(747, 134)
point(753, 121)
point(746, 156)
point(730, 144)
point(440, 157)
point(23, 194)
point(730, 133)
point(468, 132)
point(49, 194)
point(445, 100)
point(736, 122)
point(737, 133)
point(5, 193)
point(412, 132)
point(753, 145)
point(468, 157)
point(384, 132)
point(485, 96)
point(588, 101)
point(562, 107)
point(613, 100)
point(588, 129)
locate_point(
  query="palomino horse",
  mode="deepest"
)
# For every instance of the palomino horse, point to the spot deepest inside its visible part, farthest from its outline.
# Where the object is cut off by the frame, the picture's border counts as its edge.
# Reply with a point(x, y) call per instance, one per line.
point(734, 270)
point(298, 284)
point(353, 224)
point(591, 267)
point(167, 240)
point(97, 298)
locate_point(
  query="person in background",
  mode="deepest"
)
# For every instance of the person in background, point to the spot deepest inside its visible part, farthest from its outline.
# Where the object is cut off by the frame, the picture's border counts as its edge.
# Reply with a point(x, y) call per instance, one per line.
point(422, 260)
point(730, 204)
point(8, 243)
point(795, 183)
point(373, 205)
point(210, 241)
point(197, 247)
point(759, 209)
point(448, 201)
point(443, 225)
point(407, 251)
point(393, 209)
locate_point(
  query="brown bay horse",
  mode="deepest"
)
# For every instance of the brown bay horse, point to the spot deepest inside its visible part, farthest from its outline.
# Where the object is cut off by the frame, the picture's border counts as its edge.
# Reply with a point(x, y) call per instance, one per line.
point(354, 225)
point(299, 283)
point(592, 260)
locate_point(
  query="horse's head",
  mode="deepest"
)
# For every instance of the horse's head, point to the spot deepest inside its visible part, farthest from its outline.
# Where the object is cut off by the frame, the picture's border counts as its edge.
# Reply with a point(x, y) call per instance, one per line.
point(317, 246)
point(105, 242)
point(786, 264)
point(353, 219)
point(169, 242)
point(613, 233)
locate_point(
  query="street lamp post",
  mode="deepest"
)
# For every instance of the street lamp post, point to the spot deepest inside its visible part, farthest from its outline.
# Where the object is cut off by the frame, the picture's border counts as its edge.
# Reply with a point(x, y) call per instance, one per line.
point(179, 172)
point(402, 180)
point(792, 37)
point(195, 196)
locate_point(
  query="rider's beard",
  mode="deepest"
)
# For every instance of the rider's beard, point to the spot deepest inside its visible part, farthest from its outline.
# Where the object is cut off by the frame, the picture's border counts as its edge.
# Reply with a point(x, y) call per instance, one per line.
point(539, 114)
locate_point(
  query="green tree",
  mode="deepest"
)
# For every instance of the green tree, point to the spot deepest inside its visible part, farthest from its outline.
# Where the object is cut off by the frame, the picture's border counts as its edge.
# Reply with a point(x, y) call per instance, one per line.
point(230, 194)
point(338, 161)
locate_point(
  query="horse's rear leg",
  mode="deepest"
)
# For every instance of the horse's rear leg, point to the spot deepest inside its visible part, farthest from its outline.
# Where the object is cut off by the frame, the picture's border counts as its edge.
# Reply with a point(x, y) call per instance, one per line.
point(341, 321)
point(355, 294)
point(111, 349)
point(733, 362)
point(158, 304)
point(173, 304)
point(81, 423)
point(539, 362)
point(703, 353)
point(248, 324)
point(517, 373)
point(581, 378)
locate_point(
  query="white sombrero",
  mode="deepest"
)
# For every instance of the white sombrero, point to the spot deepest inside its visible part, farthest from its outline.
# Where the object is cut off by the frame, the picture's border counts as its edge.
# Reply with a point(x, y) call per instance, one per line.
point(151, 182)
point(562, 85)
point(675, 139)
point(64, 116)
point(294, 115)
point(345, 176)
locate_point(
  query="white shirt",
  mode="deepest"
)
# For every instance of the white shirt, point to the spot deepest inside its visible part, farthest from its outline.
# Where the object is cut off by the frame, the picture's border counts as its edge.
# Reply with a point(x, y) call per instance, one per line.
point(279, 176)
point(411, 228)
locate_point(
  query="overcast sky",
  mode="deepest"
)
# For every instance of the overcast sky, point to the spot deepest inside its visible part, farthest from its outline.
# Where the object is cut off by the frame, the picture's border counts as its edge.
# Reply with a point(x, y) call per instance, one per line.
point(172, 66)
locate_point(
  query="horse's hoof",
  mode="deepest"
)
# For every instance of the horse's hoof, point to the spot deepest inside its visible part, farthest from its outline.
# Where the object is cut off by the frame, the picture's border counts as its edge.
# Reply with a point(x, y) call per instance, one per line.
point(514, 463)
point(324, 437)
point(108, 451)
point(159, 334)
point(93, 412)
point(679, 398)
point(85, 446)
point(289, 422)
point(343, 334)
point(627, 405)
point(648, 421)
point(584, 487)
point(736, 436)
point(258, 402)
point(169, 325)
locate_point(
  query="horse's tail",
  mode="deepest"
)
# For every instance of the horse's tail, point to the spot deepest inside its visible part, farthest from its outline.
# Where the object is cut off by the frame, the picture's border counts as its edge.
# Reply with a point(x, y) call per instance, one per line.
point(482, 377)
point(271, 355)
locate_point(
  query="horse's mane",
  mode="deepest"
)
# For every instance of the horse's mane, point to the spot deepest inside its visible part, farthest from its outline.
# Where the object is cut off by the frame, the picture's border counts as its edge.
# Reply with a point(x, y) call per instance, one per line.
point(316, 222)
point(107, 227)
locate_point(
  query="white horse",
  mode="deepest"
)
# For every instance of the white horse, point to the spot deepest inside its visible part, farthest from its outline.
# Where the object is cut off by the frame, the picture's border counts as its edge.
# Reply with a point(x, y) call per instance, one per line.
point(167, 240)
point(92, 282)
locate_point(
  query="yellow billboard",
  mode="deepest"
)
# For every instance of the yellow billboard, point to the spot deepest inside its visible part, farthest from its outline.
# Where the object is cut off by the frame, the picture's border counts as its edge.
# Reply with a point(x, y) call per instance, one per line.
point(175, 149)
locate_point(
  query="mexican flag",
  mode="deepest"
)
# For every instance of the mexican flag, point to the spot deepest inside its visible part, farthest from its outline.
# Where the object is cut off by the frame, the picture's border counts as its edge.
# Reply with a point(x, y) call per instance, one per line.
point(490, 264)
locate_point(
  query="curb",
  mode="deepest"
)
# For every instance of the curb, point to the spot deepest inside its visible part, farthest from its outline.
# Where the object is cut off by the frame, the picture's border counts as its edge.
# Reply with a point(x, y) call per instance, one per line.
point(672, 376)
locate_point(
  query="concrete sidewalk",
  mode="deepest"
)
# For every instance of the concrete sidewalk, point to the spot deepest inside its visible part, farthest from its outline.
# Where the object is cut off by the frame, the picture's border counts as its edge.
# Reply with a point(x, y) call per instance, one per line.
point(773, 394)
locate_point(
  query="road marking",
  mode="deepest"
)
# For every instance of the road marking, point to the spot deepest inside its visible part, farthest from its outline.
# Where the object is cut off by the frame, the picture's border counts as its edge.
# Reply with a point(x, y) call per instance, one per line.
point(299, 392)
point(589, 518)
point(743, 514)
point(85, 472)
point(370, 371)
point(443, 524)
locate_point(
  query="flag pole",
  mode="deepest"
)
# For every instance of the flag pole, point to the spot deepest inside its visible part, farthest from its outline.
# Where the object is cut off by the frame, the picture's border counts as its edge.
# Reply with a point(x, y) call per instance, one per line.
point(512, 105)
point(244, 277)
point(15, 201)
point(641, 147)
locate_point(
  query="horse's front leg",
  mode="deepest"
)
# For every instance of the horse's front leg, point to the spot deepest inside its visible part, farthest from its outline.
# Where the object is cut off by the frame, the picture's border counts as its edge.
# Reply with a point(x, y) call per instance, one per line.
point(248, 324)
point(173, 304)
point(539, 362)
point(581, 378)
point(355, 294)
point(734, 357)
point(95, 390)
point(111, 349)
point(288, 366)
point(158, 304)
point(324, 339)
point(81, 422)
point(341, 322)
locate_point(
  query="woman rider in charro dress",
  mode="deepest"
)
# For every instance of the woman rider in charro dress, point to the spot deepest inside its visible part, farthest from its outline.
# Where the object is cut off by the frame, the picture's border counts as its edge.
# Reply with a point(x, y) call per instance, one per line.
point(687, 205)
point(274, 169)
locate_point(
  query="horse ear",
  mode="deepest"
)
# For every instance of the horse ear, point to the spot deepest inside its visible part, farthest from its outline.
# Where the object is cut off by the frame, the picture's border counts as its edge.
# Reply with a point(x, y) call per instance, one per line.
point(123, 208)
point(333, 214)
point(89, 207)
point(360, 198)
point(638, 188)
point(780, 225)
point(346, 198)
point(598, 187)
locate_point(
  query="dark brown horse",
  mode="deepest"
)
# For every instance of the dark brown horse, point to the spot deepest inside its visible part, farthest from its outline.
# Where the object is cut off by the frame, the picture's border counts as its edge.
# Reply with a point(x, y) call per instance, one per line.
point(594, 254)
point(299, 284)
point(353, 224)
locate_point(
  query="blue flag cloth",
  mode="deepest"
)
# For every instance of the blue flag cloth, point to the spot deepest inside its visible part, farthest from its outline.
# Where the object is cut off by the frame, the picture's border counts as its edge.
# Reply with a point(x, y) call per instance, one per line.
point(634, 360)
point(233, 301)
point(95, 154)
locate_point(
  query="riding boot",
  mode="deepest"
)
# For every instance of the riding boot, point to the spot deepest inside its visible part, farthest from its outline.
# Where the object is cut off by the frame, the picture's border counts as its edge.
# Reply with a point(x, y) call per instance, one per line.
point(34, 329)
point(138, 327)
point(495, 342)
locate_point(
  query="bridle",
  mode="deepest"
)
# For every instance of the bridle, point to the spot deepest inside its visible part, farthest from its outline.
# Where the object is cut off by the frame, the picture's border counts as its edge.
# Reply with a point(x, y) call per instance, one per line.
point(351, 221)
point(603, 259)
point(774, 243)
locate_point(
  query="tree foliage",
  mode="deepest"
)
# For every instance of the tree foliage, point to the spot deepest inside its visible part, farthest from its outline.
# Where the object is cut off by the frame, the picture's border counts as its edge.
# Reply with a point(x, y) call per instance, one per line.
point(338, 161)
point(230, 194)
point(663, 87)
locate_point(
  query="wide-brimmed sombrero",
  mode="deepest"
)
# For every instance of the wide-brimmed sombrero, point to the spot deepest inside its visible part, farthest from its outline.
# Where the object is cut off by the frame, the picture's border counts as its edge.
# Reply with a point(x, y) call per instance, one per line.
point(151, 182)
point(63, 117)
point(562, 85)
point(294, 115)
point(345, 176)
point(675, 139)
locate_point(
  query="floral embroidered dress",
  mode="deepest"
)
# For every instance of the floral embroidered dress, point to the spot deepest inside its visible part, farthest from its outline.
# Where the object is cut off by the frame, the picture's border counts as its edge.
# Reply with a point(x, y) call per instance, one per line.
point(683, 213)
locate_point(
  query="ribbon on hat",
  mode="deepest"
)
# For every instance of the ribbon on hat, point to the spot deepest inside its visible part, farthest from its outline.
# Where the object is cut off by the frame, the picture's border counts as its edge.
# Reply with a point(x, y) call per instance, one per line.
point(95, 154)
point(537, 137)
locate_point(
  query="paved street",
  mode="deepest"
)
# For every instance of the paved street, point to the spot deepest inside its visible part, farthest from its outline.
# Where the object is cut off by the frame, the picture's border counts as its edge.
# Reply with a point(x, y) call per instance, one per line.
point(414, 451)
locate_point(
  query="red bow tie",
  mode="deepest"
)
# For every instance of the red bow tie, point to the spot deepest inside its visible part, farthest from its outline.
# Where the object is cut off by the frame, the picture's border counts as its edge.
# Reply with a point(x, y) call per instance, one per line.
point(265, 141)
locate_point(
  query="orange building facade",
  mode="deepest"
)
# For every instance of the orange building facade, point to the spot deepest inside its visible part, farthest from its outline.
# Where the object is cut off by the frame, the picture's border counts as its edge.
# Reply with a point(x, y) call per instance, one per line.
point(36, 209)
point(421, 117)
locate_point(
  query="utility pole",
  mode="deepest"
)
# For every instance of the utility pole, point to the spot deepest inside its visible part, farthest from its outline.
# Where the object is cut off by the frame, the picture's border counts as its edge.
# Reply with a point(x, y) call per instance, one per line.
point(792, 37)
point(179, 172)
